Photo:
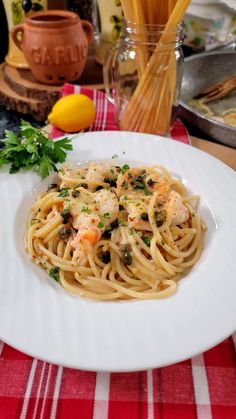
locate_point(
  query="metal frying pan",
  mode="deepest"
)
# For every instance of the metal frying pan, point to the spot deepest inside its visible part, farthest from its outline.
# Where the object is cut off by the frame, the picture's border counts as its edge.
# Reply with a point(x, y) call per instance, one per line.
point(200, 72)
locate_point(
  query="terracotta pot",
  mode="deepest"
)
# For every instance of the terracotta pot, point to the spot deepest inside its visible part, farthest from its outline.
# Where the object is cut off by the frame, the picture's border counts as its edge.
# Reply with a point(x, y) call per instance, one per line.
point(55, 44)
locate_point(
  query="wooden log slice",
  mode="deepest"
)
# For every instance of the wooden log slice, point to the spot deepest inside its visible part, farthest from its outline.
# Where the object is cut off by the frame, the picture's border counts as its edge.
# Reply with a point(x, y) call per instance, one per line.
point(37, 108)
point(23, 83)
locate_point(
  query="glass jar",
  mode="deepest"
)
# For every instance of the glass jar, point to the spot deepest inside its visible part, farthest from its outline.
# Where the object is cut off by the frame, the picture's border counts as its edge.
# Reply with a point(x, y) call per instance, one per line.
point(142, 76)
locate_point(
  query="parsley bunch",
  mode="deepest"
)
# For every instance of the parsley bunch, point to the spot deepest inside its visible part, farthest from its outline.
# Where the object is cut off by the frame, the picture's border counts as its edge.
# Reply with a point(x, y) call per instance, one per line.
point(33, 150)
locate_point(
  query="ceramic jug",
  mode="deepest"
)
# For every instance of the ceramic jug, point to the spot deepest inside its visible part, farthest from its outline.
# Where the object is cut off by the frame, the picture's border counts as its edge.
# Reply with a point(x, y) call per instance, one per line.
point(55, 44)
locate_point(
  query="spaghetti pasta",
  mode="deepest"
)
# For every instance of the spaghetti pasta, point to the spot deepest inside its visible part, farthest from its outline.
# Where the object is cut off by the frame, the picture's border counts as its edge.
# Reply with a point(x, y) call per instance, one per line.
point(148, 112)
point(111, 232)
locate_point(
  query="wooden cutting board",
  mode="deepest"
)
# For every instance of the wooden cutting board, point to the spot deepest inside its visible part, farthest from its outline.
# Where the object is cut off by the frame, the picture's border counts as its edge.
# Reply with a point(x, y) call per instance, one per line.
point(20, 92)
point(24, 83)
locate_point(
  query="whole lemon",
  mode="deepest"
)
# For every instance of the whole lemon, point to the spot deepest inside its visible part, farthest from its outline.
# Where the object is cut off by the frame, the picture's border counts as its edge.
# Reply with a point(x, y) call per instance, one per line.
point(73, 113)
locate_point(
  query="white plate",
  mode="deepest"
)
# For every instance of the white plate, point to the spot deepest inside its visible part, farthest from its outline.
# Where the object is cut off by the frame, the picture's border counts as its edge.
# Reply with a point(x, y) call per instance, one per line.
point(39, 318)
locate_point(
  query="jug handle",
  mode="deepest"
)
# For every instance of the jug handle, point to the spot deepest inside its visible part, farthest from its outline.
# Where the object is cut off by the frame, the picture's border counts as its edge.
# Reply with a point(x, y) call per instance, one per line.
point(108, 72)
point(88, 29)
point(14, 33)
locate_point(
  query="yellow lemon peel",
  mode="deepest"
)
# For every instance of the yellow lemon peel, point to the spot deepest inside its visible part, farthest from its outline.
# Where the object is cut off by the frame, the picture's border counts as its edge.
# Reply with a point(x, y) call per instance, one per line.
point(73, 113)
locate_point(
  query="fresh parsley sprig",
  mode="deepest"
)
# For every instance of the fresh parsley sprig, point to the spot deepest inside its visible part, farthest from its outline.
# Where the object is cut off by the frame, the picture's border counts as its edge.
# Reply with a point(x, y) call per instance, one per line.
point(33, 150)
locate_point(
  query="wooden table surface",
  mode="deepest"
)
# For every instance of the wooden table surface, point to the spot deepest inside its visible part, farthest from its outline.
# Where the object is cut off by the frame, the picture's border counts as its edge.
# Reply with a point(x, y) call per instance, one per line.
point(221, 152)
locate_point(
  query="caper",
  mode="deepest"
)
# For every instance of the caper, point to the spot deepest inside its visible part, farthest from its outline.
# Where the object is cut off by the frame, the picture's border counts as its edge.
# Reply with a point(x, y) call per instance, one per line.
point(75, 193)
point(144, 216)
point(107, 234)
point(150, 182)
point(65, 215)
point(106, 257)
point(65, 233)
point(52, 186)
point(112, 182)
point(115, 224)
point(160, 218)
point(126, 255)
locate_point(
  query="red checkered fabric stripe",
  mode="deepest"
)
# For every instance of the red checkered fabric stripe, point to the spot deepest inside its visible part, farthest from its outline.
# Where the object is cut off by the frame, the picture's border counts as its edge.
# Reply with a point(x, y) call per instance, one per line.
point(105, 115)
point(203, 387)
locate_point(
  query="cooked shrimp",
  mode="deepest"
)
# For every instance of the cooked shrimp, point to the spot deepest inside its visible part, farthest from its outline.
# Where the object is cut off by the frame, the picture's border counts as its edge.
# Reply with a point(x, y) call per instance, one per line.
point(136, 207)
point(98, 171)
point(107, 204)
point(128, 182)
point(161, 187)
point(91, 217)
point(177, 212)
point(87, 226)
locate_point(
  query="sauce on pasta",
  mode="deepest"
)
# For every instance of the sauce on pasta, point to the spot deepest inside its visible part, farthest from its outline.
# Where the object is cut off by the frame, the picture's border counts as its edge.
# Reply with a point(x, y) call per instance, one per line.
point(111, 232)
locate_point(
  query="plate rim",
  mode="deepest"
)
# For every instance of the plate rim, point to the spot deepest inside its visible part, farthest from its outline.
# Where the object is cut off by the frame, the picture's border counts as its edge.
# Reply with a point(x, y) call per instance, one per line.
point(146, 364)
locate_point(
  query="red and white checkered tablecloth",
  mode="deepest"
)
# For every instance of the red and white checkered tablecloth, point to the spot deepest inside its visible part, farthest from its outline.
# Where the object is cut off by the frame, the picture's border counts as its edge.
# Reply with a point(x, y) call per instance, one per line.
point(203, 387)
point(105, 117)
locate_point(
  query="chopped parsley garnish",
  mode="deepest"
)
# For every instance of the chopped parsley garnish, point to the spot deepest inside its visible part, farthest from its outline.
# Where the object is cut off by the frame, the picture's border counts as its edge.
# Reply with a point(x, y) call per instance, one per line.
point(106, 215)
point(100, 224)
point(64, 192)
point(121, 224)
point(140, 184)
point(124, 168)
point(131, 231)
point(86, 209)
point(147, 240)
point(33, 149)
point(54, 273)
point(126, 185)
point(115, 156)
